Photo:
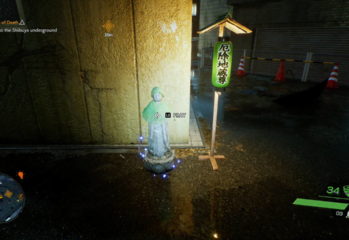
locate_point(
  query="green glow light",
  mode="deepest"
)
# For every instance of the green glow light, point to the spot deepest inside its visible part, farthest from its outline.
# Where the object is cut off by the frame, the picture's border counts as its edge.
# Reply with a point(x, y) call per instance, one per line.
point(221, 65)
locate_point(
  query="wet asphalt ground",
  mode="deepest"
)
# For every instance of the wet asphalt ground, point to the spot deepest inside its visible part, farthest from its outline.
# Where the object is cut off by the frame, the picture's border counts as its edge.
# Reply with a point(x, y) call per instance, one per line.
point(273, 156)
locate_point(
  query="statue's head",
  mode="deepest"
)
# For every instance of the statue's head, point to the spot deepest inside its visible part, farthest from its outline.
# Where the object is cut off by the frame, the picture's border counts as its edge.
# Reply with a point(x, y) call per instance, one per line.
point(156, 94)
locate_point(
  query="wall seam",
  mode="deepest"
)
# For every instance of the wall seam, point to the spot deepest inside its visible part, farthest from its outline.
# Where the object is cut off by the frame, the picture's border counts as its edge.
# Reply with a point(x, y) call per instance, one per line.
point(136, 65)
point(79, 58)
point(41, 137)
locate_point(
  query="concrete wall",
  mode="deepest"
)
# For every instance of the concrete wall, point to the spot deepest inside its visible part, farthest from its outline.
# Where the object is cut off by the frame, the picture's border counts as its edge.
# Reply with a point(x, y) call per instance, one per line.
point(79, 87)
point(163, 30)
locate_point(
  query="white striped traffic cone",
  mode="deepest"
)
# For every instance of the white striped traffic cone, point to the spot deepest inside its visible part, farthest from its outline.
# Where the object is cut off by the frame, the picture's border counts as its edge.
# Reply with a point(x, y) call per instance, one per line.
point(241, 69)
point(332, 81)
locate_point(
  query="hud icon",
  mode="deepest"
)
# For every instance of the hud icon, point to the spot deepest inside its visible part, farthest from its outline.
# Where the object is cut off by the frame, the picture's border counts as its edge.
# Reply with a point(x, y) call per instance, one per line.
point(12, 198)
point(346, 190)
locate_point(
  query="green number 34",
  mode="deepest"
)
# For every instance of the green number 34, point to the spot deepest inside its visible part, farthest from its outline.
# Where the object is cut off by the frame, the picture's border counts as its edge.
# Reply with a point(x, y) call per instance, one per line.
point(331, 190)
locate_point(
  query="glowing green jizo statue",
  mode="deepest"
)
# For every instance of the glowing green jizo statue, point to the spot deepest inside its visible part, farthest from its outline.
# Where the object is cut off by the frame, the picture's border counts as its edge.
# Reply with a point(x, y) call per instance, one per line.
point(159, 157)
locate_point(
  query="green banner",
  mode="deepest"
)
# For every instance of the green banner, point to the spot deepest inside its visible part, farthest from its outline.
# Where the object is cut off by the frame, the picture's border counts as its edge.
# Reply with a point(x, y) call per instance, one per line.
point(222, 62)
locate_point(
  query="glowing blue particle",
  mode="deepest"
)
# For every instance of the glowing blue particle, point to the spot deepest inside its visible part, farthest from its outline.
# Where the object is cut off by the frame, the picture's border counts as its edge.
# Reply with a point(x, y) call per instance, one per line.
point(145, 149)
point(178, 160)
point(164, 176)
point(141, 138)
point(154, 175)
point(173, 166)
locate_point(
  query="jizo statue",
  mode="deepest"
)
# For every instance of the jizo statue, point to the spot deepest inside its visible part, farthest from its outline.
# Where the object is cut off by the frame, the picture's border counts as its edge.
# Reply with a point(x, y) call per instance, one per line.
point(159, 158)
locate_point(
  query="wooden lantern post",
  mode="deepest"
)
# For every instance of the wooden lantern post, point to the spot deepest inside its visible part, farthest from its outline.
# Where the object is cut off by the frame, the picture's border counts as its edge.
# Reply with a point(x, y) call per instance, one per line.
point(237, 28)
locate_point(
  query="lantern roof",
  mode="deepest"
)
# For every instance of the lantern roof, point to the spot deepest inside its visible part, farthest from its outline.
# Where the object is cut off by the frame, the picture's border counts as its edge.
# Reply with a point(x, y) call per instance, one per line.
point(228, 23)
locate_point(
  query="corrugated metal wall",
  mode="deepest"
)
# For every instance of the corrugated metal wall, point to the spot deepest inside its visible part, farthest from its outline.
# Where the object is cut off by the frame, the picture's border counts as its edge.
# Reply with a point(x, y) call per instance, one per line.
point(326, 44)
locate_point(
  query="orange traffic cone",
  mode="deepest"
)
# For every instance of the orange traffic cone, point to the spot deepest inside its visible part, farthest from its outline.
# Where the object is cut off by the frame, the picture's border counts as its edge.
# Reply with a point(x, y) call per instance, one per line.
point(241, 69)
point(280, 75)
point(332, 81)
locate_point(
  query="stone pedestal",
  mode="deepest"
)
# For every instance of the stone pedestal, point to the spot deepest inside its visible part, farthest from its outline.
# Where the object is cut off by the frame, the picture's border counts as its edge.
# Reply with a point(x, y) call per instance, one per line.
point(159, 164)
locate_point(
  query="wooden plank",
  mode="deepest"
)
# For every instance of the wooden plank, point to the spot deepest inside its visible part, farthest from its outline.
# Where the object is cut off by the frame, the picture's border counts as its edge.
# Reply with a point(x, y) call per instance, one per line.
point(235, 23)
point(211, 27)
point(221, 30)
point(214, 163)
point(204, 157)
point(212, 160)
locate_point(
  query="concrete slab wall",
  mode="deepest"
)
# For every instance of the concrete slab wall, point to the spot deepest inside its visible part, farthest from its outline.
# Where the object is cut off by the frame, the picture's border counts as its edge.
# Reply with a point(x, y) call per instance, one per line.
point(108, 69)
point(78, 86)
point(163, 30)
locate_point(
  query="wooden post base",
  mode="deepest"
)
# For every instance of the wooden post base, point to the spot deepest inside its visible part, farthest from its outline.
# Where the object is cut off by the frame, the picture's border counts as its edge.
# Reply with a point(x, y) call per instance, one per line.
point(212, 159)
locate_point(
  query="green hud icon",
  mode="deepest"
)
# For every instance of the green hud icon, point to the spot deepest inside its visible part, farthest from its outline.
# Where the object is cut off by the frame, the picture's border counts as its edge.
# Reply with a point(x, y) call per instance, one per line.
point(346, 190)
